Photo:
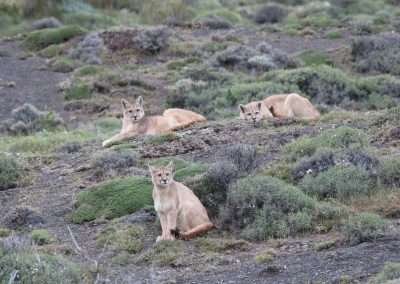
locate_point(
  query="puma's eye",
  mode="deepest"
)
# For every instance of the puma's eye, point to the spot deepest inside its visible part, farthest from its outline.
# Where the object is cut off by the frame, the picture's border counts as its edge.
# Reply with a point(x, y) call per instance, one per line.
point(130, 111)
point(249, 114)
point(159, 175)
point(138, 109)
point(257, 112)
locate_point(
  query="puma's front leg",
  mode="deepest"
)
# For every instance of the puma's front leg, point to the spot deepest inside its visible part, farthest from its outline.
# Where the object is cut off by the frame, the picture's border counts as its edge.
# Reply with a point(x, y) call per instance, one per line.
point(172, 219)
point(117, 139)
point(165, 235)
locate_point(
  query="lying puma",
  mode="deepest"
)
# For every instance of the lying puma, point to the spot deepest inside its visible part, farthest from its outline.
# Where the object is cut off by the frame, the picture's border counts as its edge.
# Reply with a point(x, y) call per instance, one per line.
point(280, 106)
point(181, 213)
point(135, 122)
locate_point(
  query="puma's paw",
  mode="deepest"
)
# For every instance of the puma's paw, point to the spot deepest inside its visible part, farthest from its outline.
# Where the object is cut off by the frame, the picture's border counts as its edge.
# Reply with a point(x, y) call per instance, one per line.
point(106, 143)
point(159, 238)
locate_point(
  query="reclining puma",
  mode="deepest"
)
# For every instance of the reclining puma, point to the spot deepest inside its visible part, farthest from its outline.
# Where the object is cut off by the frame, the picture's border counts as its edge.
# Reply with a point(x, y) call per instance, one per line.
point(180, 211)
point(135, 122)
point(280, 106)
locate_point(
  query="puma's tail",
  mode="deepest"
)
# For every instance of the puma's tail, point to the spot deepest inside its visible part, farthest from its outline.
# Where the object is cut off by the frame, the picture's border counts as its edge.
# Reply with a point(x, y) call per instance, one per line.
point(195, 232)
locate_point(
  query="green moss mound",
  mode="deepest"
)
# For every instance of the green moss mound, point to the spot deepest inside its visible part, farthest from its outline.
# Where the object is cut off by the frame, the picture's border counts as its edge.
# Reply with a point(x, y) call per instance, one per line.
point(9, 172)
point(113, 199)
point(41, 39)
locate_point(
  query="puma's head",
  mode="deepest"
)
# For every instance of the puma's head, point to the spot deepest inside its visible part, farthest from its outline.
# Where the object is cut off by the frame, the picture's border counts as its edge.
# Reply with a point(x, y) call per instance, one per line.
point(133, 112)
point(252, 112)
point(162, 176)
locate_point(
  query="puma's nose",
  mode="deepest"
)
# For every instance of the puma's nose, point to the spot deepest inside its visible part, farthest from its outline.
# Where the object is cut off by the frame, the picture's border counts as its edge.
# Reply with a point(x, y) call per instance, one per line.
point(164, 180)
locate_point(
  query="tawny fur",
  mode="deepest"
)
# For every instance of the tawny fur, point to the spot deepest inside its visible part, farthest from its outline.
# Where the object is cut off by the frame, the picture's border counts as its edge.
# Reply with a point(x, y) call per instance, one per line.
point(177, 206)
point(135, 122)
point(280, 106)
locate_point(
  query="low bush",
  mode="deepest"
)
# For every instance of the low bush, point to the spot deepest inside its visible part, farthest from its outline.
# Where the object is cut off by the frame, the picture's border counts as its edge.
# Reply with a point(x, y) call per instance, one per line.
point(363, 227)
point(321, 161)
point(263, 207)
point(78, 92)
point(164, 253)
point(389, 172)
point(38, 268)
point(10, 172)
point(62, 65)
point(41, 237)
point(341, 182)
point(113, 199)
point(112, 163)
point(270, 13)
point(390, 271)
point(43, 38)
point(242, 156)
point(342, 137)
point(122, 238)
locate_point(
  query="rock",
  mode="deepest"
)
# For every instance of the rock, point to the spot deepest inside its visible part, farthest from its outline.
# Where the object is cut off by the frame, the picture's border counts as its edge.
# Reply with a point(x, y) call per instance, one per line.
point(272, 269)
point(22, 217)
point(46, 23)
point(89, 50)
point(139, 217)
point(152, 40)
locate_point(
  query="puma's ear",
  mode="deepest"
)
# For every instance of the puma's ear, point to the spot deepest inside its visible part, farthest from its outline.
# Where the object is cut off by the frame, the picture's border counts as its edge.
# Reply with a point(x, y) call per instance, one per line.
point(171, 166)
point(242, 108)
point(124, 103)
point(139, 100)
point(259, 105)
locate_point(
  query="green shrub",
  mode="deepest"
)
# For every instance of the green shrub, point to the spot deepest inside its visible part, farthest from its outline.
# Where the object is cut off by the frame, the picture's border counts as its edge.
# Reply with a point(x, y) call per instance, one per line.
point(338, 182)
point(320, 161)
point(342, 137)
point(221, 245)
point(41, 237)
point(113, 199)
point(312, 57)
point(4, 232)
point(89, 70)
point(78, 92)
point(265, 257)
point(38, 268)
point(51, 51)
point(389, 172)
point(363, 227)
point(89, 20)
point(391, 271)
point(62, 65)
point(9, 172)
point(157, 12)
point(164, 253)
point(40, 39)
point(122, 238)
point(264, 207)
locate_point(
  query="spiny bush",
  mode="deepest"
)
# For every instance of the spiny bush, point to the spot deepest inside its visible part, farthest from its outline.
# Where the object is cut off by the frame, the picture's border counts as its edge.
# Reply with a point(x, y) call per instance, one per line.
point(78, 92)
point(270, 13)
point(40, 39)
point(341, 182)
point(363, 227)
point(263, 207)
point(321, 161)
point(114, 162)
point(164, 253)
point(158, 12)
point(213, 186)
point(41, 237)
point(10, 172)
point(342, 137)
point(389, 172)
point(242, 156)
point(122, 238)
point(378, 54)
point(38, 268)
point(113, 199)
point(390, 271)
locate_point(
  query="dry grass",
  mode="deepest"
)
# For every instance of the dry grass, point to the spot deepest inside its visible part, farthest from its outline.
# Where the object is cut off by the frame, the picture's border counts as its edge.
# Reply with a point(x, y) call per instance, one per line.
point(384, 203)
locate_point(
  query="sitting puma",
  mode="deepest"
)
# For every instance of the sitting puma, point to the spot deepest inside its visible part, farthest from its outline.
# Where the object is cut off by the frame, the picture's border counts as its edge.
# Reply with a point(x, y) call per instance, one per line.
point(180, 211)
point(280, 106)
point(135, 122)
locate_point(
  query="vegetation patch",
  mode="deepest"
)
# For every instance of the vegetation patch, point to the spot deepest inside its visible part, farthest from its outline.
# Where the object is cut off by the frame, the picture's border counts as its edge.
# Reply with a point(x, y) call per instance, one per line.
point(263, 207)
point(38, 268)
point(164, 253)
point(390, 271)
point(389, 173)
point(122, 238)
point(41, 237)
point(266, 256)
point(10, 172)
point(4, 233)
point(113, 199)
point(43, 38)
point(78, 92)
point(221, 245)
point(363, 227)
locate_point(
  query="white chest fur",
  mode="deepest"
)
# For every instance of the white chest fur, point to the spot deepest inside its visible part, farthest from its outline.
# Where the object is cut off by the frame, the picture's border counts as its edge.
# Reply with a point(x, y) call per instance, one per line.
point(163, 200)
